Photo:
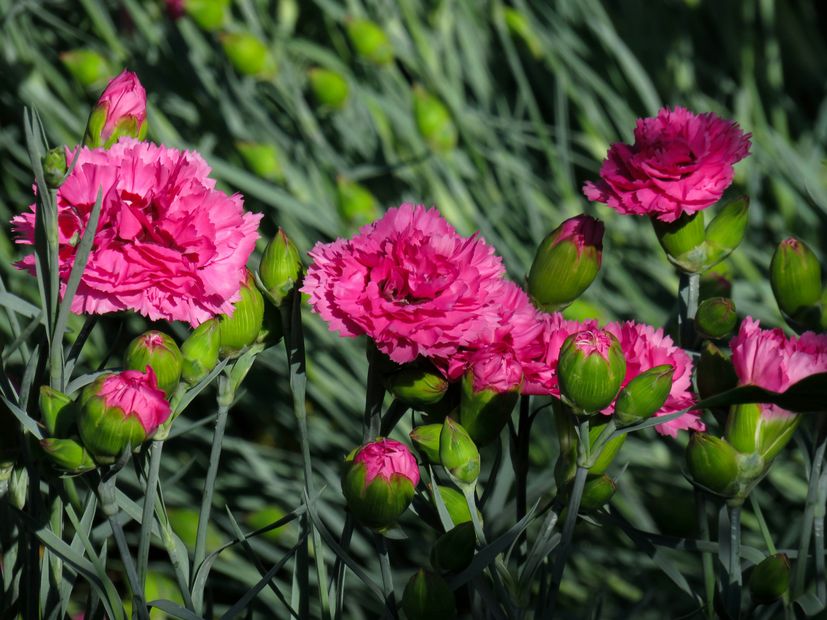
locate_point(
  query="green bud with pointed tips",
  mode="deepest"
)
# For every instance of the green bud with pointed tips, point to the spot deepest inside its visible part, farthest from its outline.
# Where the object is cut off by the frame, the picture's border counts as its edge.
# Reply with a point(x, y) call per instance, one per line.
point(58, 411)
point(241, 329)
point(416, 386)
point(726, 230)
point(200, 351)
point(795, 276)
point(281, 267)
point(597, 493)
point(54, 166)
point(457, 452)
point(644, 395)
point(713, 464)
point(68, 455)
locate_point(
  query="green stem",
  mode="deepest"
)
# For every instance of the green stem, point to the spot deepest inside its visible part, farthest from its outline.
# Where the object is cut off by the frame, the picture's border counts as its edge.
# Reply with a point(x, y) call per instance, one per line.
point(521, 460)
point(129, 566)
point(387, 575)
point(808, 518)
point(706, 556)
point(734, 569)
point(339, 568)
point(688, 293)
point(155, 451)
point(374, 395)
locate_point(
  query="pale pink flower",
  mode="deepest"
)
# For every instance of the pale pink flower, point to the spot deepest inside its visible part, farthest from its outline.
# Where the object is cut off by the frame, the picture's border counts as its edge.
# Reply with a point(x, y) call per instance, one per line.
point(410, 282)
point(771, 360)
point(136, 394)
point(680, 163)
point(646, 347)
point(168, 244)
point(385, 458)
point(123, 99)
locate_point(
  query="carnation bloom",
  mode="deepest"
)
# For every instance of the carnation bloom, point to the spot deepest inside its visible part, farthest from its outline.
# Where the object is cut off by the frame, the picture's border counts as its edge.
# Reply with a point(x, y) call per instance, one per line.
point(646, 347)
point(136, 394)
point(168, 244)
point(680, 163)
point(769, 359)
point(410, 282)
point(385, 458)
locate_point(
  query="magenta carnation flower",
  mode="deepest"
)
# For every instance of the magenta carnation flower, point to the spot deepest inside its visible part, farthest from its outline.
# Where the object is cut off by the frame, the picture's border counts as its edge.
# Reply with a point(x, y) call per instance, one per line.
point(136, 394)
point(680, 163)
point(385, 458)
point(410, 282)
point(646, 347)
point(769, 359)
point(168, 244)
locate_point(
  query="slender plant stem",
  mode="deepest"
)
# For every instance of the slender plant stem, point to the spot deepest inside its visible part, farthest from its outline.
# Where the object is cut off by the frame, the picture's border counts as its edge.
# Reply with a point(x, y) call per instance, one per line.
point(808, 518)
point(374, 395)
point(387, 575)
point(521, 460)
point(129, 567)
point(706, 556)
point(734, 568)
point(688, 293)
point(339, 568)
point(155, 450)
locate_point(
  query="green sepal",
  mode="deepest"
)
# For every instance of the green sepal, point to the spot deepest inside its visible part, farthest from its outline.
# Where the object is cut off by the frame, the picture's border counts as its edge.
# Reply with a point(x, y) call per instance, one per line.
point(58, 411)
point(199, 352)
point(68, 455)
point(684, 241)
point(644, 395)
point(485, 413)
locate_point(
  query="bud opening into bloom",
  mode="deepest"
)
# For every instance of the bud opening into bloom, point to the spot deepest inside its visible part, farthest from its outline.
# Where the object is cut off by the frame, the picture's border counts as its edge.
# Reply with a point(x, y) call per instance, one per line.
point(428, 597)
point(280, 267)
point(591, 369)
point(241, 329)
point(795, 276)
point(120, 111)
point(716, 318)
point(713, 464)
point(158, 350)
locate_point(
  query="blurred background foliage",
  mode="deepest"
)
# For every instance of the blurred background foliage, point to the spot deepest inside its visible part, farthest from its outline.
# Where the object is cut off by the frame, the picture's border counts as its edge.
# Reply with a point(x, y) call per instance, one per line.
point(496, 113)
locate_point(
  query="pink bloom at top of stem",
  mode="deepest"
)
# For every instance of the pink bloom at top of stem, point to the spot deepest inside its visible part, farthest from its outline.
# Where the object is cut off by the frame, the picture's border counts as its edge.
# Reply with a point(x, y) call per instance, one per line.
point(386, 457)
point(680, 162)
point(769, 359)
point(136, 393)
point(583, 231)
point(124, 97)
point(168, 244)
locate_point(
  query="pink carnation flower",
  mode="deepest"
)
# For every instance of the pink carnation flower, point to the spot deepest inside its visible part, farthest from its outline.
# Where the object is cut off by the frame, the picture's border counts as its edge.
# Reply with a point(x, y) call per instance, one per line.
point(386, 457)
point(124, 98)
point(136, 394)
point(769, 359)
point(168, 244)
point(409, 282)
point(646, 347)
point(680, 163)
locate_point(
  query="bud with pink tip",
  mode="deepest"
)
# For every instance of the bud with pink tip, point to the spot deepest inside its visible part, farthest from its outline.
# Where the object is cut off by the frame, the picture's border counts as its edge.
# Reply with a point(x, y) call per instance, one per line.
point(120, 111)
point(591, 369)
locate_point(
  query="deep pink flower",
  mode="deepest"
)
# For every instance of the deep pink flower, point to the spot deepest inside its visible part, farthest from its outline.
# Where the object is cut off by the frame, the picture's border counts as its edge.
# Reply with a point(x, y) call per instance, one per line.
point(386, 457)
point(168, 244)
point(769, 359)
point(136, 394)
point(646, 347)
point(123, 99)
point(680, 163)
point(409, 282)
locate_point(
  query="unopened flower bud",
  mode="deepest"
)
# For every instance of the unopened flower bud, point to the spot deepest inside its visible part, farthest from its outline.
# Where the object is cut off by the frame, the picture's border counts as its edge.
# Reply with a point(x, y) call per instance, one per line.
point(68, 455)
point(89, 68)
point(716, 318)
point(210, 15)
point(428, 597)
point(795, 276)
point(753, 429)
point(19, 487)
point(54, 166)
point(770, 579)
point(591, 369)
point(726, 230)
point(684, 241)
point(280, 267)
point(200, 351)
point(416, 386)
point(433, 119)
point(379, 482)
point(120, 411)
point(715, 373)
point(454, 550)
point(519, 27)
point(713, 463)
point(248, 54)
point(483, 414)
point(329, 87)
point(455, 504)
point(241, 329)
point(644, 395)
point(609, 451)
point(356, 205)
point(597, 492)
point(158, 350)
point(370, 41)
point(566, 263)
point(58, 411)
point(262, 159)
point(120, 111)
point(457, 452)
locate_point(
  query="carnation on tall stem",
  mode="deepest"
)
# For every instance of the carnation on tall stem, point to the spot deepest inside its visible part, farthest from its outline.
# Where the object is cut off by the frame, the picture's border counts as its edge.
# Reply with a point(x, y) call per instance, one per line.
point(168, 244)
point(680, 163)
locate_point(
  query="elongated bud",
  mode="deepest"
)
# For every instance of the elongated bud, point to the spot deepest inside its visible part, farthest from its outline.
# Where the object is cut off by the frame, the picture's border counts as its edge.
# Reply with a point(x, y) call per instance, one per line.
point(644, 395)
point(597, 493)
point(610, 449)
point(770, 579)
point(713, 464)
point(19, 487)
point(68, 455)
point(120, 111)
point(566, 263)
point(200, 351)
point(716, 318)
point(795, 276)
point(356, 205)
point(591, 369)
point(428, 597)
point(242, 328)
point(248, 54)
point(379, 482)
point(454, 550)
point(329, 87)
point(280, 267)
point(519, 28)
point(89, 68)
point(457, 452)
point(757, 429)
point(370, 41)
point(120, 411)
point(455, 504)
point(715, 373)
point(483, 414)
point(158, 350)
point(262, 159)
point(54, 166)
point(684, 241)
point(210, 15)
point(416, 386)
point(726, 230)
point(433, 119)
point(425, 439)
point(58, 411)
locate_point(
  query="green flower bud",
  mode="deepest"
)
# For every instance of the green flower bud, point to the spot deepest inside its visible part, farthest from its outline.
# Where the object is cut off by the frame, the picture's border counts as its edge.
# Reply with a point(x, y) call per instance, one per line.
point(19, 487)
point(280, 267)
point(457, 452)
point(770, 579)
point(159, 351)
point(262, 159)
point(200, 351)
point(425, 439)
point(433, 119)
point(519, 28)
point(248, 54)
point(416, 386)
point(485, 413)
point(715, 373)
point(713, 464)
point(455, 504)
point(54, 166)
point(644, 395)
point(356, 205)
point(210, 15)
point(716, 318)
point(329, 88)
point(795, 276)
point(590, 369)
point(726, 230)
point(753, 430)
point(597, 493)
point(566, 263)
point(454, 550)
point(58, 411)
point(68, 455)
point(370, 41)
point(428, 597)
point(89, 68)
point(242, 328)
point(684, 241)
point(609, 451)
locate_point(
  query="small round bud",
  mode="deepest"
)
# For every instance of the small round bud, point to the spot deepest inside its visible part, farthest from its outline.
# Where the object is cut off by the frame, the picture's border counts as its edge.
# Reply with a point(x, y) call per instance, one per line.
point(370, 41)
point(716, 318)
point(89, 68)
point(795, 276)
point(210, 15)
point(200, 351)
point(280, 267)
point(248, 54)
point(158, 350)
point(770, 579)
point(329, 87)
point(590, 369)
point(454, 550)
point(433, 119)
point(713, 464)
point(54, 166)
point(428, 597)
point(597, 493)
point(416, 386)
point(241, 329)
point(644, 395)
